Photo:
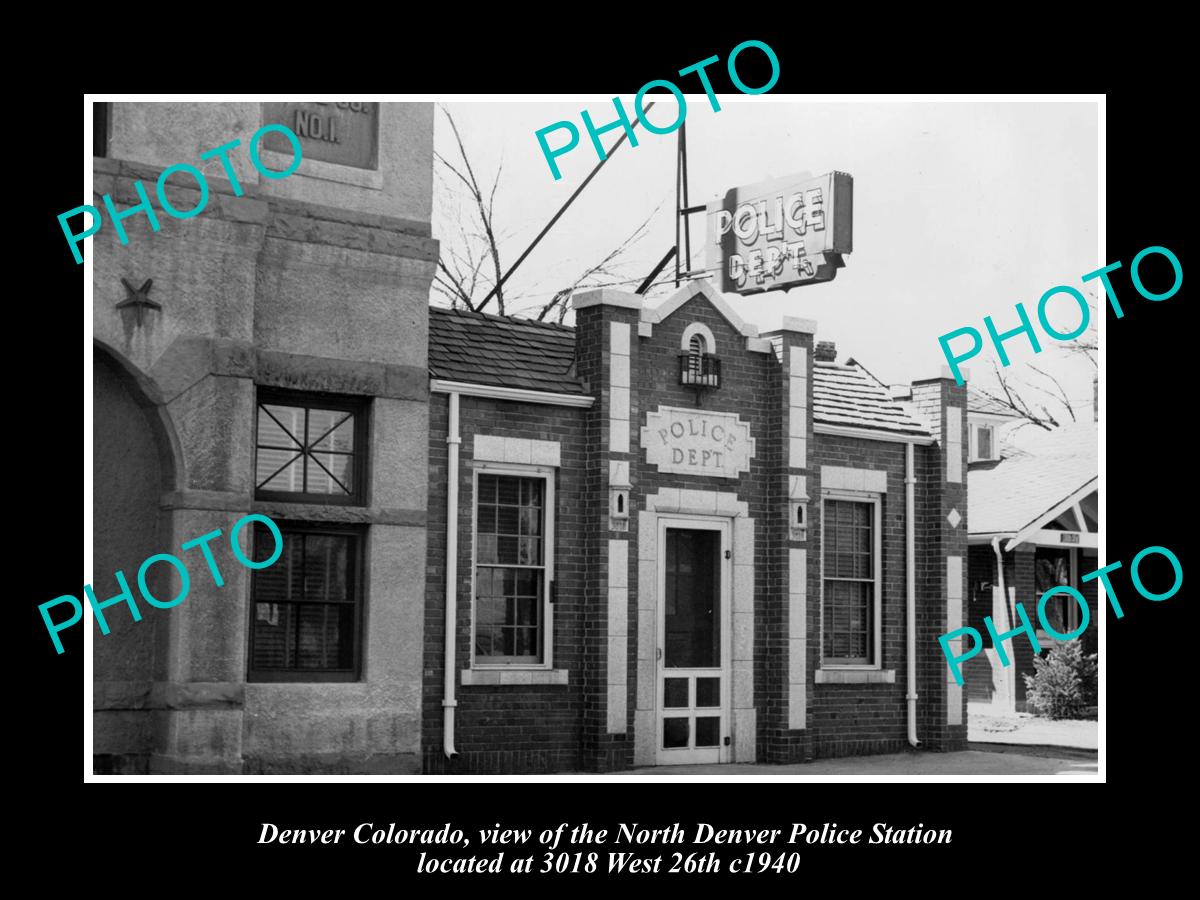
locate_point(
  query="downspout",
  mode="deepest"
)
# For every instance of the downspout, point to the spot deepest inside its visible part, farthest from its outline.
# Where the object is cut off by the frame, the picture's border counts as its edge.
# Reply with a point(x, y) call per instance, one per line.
point(1000, 575)
point(910, 578)
point(448, 701)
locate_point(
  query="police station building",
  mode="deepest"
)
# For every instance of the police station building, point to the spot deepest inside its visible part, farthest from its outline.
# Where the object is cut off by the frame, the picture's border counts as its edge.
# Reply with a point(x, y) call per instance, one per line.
point(656, 537)
point(660, 537)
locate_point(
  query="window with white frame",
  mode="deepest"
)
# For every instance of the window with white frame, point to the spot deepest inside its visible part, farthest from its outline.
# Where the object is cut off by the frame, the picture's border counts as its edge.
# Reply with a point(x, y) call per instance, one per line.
point(983, 442)
point(850, 579)
point(514, 528)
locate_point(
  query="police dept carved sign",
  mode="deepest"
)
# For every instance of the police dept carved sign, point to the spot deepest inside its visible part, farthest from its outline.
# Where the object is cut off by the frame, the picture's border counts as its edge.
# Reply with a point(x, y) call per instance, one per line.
point(691, 442)
point(780, 234)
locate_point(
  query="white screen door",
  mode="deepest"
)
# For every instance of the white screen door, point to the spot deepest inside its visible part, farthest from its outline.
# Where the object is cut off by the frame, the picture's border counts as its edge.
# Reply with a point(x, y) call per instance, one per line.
point(693, 723)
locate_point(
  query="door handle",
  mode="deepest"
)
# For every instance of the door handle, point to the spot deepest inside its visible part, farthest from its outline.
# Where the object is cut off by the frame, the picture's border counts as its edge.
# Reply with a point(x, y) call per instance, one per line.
point(658, 654)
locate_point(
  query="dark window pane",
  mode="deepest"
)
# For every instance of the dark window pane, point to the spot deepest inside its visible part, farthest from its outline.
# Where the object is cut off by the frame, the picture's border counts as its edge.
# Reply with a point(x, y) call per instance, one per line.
point(273, 638)
point(486, 551)
point(322, 630)
point(330, 430)
point(325, 567)
point(330, 473)
point(693, 614)
point(507, 520)
point(675, 693)
point(279, 470)
point(708, 731)
point(708, 692)
point(508, 491)
point(280, 426)
point(305, 609)
point(280, 581)
point(675, 732)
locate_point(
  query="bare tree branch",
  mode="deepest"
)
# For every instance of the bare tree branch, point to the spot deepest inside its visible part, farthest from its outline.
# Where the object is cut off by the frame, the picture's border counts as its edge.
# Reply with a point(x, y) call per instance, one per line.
point(1062, 394)
point(601, 268)
point(483, 207)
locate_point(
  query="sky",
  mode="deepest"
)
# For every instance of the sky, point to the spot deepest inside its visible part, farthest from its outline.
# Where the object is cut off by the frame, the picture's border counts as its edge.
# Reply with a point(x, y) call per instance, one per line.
point(961, 210)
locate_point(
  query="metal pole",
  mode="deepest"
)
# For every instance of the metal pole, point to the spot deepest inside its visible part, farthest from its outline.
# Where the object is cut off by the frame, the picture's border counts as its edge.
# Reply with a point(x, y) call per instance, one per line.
point(650, 278)
point(678, 205)
point(558, 215)
point(687, 228)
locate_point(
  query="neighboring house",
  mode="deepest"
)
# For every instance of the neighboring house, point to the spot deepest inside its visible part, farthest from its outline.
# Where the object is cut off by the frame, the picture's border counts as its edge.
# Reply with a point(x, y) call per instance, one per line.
point(668, 539)
point(1032, 525)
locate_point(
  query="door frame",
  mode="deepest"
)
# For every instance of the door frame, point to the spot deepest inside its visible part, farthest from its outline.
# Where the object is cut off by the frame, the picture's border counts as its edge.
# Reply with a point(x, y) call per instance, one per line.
point(723, 753)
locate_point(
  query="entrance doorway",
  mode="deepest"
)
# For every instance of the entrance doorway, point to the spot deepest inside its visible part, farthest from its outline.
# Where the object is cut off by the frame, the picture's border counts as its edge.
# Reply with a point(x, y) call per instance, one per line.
point(693, 650)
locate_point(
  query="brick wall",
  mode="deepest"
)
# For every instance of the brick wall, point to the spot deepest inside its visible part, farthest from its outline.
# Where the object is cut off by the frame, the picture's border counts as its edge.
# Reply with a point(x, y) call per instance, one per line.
point(509, 728)
point(750, 387)
point(567, 727)
point(850, 719)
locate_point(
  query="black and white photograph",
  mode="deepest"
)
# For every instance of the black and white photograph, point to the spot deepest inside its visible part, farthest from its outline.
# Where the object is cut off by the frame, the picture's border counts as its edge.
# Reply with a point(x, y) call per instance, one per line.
point(677, 435)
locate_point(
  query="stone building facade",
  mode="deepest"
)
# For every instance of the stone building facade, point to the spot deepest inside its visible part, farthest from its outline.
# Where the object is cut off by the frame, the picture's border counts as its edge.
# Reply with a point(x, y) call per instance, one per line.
point(290, 325)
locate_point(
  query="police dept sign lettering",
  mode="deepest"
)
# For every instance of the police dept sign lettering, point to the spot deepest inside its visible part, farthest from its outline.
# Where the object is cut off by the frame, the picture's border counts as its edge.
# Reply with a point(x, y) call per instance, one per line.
point(780, 234)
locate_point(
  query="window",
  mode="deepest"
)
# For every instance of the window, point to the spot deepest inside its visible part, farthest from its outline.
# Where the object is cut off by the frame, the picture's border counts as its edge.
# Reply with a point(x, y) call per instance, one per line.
point(309, 448)
point(850, 580)
point(1052, 568)
point(306, 611)
point(513, 554)
point(983, 440)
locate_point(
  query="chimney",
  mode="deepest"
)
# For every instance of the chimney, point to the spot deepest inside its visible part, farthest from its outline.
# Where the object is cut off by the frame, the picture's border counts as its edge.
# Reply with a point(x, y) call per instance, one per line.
point(826, 351)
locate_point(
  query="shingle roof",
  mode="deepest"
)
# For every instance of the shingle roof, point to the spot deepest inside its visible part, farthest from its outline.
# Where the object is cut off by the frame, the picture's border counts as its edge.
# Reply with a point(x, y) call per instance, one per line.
point(1050, 468)
point(848, 396)
point(521, 353)
point(500, 350)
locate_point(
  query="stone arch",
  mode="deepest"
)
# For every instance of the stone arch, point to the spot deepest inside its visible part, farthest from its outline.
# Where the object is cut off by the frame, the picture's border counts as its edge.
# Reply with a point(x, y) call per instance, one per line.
point(135, 461)
point(145, 392)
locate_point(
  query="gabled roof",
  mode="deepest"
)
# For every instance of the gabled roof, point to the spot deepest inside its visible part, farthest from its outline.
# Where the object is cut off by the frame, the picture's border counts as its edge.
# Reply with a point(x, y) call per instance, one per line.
point(508, 352)
point(502, 350)
point(1050, 468)
point(848, 396)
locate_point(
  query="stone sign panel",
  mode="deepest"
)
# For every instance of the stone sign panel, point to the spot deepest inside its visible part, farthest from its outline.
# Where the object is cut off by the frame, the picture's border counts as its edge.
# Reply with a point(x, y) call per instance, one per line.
point(696, 442)
point(343, 133)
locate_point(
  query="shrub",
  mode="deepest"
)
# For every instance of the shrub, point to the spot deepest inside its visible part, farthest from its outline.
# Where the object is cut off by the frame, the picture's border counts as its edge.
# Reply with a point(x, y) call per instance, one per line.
point(1063, 684)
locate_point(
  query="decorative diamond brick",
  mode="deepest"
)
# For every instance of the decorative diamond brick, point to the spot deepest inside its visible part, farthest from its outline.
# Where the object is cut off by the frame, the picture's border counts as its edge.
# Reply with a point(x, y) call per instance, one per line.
point(954, 518)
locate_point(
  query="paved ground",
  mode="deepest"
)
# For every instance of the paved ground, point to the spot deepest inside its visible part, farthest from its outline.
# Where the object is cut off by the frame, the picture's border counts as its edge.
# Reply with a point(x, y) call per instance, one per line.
point(984, 726)
point(969, 762)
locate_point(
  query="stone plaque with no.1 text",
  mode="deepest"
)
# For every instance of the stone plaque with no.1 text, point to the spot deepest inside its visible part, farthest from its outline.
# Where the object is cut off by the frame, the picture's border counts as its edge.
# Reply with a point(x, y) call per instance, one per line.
point(343, 133)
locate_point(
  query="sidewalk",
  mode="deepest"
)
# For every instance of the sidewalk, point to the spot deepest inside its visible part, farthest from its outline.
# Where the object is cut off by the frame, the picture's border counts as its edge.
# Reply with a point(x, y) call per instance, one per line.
point(986, 726)
point(968, 762)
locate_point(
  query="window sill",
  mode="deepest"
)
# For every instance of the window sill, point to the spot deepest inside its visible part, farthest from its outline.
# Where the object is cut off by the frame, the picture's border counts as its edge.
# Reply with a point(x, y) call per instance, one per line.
point(856, 676)
point(513, 676)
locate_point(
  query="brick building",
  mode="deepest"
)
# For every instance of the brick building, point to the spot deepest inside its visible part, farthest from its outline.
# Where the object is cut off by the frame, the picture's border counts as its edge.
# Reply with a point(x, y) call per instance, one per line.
point(666, 538)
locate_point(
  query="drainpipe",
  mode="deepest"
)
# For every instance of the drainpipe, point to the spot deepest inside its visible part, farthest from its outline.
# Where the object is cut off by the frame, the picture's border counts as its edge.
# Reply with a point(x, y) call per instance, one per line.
point(1000, 575)
point(448, 701)
point(1009, 689)
point(910, 577)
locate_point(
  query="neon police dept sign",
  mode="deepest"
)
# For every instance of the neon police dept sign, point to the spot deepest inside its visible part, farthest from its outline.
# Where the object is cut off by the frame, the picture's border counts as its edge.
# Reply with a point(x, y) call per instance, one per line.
point(781, 233)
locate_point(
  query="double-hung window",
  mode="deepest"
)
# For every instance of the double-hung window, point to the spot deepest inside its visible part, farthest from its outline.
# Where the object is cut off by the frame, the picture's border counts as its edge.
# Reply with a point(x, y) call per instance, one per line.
point(982, 443)
point(513, 566)
point(850, 603)
point(306, 609)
